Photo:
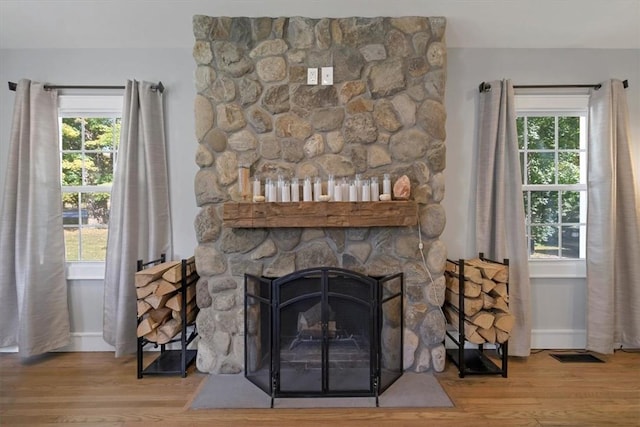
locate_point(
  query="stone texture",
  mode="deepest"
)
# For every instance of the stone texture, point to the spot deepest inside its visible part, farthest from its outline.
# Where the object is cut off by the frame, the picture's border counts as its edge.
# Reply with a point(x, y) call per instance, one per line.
point(260, 120)
point(386, 116)
point(209, 262)
point(409, 144)
point(207, 188)
point(292, 125)
point(216, 140)
point(315, 254)
point(241, 240)
point(243, 140)
point(276, 99)
point(207, 224)
point(313, 146)
point(204, 116)
point(431, 117)
point(203, 297)
point(432, 220)
point(386, 78)
point(272, 69)
point(360, 128)
point(438, 357)
point(269, 48)
point(410, 341)
point(227, 167)
point(373, 52)
point(335, 142)
point(326, 119)
point(385, 113)
point(231, 59)
point(265, 250)
point(204, 158)
point(378, 155)
point(250, 91)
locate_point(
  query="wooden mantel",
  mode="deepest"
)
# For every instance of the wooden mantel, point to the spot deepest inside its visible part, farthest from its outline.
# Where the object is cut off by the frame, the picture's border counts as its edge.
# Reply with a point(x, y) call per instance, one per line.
point(320, 214)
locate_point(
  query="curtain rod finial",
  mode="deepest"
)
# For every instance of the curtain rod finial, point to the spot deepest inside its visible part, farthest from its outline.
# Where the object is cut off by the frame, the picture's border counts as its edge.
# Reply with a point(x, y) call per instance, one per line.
point(13, 86)
point(625, 83)
point(484, 87)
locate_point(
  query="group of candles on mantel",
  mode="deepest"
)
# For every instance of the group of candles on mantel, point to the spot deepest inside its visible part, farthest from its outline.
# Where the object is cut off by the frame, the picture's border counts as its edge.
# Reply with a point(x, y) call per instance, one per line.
point(356, 189)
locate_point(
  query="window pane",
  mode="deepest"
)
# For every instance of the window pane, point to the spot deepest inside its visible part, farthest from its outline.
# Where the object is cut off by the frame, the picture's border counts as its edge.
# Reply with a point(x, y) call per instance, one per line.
point(520, 128)
point(570, 242)
point(94, 244)
point(71, 243)
point(71, 134)
point(71, 213)
point(541, 168)
point(99, 168)
point(568, 133)
point(71, 169)
point(544, 207)
point(96, 208)
point(541, 133)
point(571, 206)
point(568, 168)
point(100, 133)
point(544, 241)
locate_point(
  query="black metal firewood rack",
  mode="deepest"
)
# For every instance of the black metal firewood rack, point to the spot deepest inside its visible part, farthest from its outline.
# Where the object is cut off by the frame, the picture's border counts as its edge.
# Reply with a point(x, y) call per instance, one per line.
point(171, 361)
point(473, 361)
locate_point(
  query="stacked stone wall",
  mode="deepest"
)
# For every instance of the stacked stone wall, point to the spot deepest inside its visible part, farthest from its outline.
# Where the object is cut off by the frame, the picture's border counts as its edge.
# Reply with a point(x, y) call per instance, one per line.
point(383, 114)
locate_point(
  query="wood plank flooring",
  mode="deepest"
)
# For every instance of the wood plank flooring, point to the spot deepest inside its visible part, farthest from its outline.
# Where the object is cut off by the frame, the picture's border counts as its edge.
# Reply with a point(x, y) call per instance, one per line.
point(96, 389)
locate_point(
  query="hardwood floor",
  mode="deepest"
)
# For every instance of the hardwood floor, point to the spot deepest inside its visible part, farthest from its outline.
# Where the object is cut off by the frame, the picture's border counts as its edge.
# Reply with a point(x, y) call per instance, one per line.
point(95, 389)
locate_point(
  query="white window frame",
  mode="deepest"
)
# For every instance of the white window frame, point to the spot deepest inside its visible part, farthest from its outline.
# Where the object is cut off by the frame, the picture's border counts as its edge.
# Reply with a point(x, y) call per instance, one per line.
point(88, 106)
point(562, 105)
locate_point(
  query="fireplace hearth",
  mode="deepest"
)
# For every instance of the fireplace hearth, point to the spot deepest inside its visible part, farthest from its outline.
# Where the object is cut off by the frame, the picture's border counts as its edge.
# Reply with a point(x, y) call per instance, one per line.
point(323, 332)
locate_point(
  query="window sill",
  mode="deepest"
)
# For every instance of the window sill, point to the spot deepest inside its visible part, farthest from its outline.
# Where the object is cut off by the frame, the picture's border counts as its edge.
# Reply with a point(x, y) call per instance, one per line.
point(85, 270)
point(575, 268)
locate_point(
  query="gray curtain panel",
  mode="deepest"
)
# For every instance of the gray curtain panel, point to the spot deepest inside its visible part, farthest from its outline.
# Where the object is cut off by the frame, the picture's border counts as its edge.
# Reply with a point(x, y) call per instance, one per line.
point(500, 223)
point(33, 290)
point(139, 219)
point(613, 225)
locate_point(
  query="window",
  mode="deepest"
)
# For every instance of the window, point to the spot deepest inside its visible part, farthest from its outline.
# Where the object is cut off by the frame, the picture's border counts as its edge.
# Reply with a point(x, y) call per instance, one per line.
point(552, 143)
point(89, 137)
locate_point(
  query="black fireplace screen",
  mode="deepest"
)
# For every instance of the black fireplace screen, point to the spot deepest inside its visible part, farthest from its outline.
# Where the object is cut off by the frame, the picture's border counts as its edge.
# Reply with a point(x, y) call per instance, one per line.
point(323, 332)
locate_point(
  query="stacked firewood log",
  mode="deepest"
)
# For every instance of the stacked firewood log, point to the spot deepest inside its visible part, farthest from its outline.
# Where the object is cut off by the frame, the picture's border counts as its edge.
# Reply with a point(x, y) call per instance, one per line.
point(160, 300)
point(485, 311)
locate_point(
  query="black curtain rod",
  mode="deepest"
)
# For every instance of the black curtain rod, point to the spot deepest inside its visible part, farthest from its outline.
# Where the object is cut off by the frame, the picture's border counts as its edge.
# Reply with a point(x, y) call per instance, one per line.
point(13, 86)
point(485, 87)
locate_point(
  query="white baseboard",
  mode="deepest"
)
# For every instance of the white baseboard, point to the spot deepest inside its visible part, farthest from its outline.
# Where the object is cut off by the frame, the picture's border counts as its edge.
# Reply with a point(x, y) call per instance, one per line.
point(558, 339)
point(80, 341)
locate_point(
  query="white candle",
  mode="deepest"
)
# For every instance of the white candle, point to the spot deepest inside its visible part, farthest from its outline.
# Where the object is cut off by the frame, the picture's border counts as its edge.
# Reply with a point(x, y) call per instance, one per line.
point(306, 190)
point(345, 190)
point(330, 187)
point(317, 189)
point(295, 190)
point(375, 190)
point(358, 183)
point(279, 188)
point(353, 192)
point(337, 193)
point(286, 192)
point(386, 184)
point(366, 191)
point(273, 193)
point(256, 187)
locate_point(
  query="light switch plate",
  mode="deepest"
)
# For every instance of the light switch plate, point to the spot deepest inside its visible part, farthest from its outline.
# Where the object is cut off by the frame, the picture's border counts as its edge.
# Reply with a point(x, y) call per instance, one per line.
point(327, 75)
point(312, 76)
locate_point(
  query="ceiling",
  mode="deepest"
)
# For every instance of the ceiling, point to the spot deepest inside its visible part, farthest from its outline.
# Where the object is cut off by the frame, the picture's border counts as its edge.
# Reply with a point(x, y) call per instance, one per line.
point(609, 24)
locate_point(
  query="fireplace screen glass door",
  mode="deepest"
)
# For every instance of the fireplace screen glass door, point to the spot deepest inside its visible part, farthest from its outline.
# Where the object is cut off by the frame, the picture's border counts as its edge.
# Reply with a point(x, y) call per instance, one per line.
point(318, 332)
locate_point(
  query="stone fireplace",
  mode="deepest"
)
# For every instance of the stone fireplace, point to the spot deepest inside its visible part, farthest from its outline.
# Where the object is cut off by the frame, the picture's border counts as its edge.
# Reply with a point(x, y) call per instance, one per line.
point(384, 113)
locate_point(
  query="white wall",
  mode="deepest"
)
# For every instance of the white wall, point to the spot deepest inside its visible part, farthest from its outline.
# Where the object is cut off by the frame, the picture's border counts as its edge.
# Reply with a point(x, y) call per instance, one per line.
point(558, 303)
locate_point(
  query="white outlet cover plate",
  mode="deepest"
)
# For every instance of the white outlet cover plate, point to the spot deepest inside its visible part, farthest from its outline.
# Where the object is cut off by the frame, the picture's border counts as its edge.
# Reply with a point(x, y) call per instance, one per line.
point(327, 75)
point(312, 76)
